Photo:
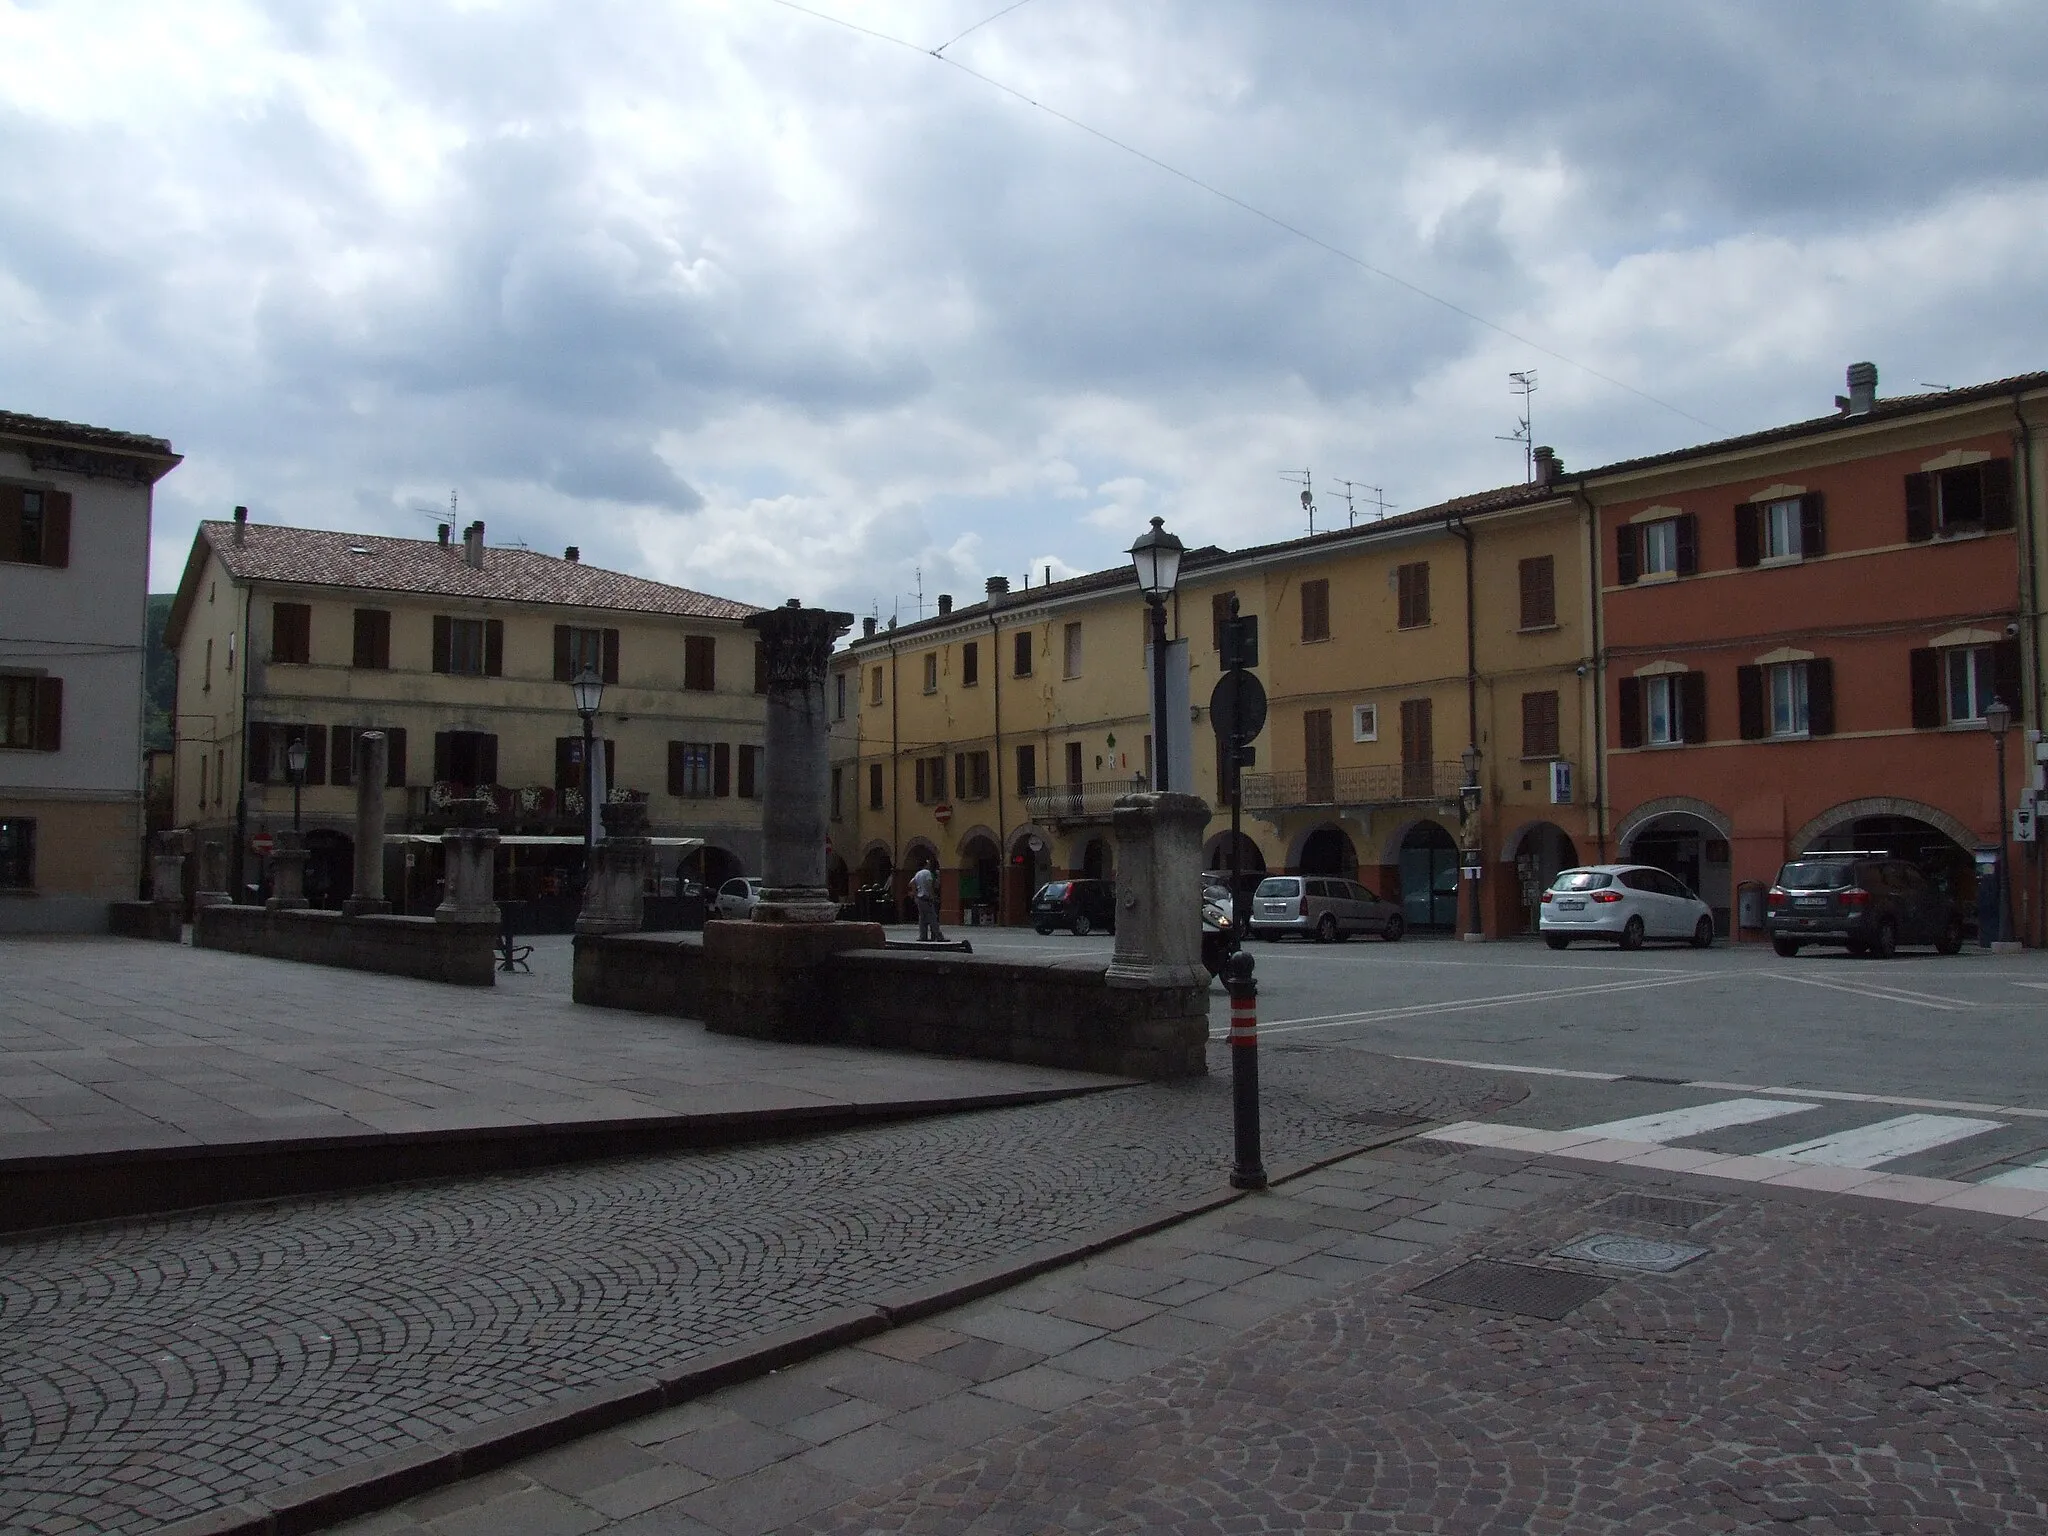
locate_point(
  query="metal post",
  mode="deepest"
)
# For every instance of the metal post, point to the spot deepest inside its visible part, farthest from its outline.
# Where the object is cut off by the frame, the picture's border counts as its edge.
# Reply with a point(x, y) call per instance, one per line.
point(299, 783)
point(2005, 928)
point(1159, 728)
point(589, 793)
point(1248, 1172)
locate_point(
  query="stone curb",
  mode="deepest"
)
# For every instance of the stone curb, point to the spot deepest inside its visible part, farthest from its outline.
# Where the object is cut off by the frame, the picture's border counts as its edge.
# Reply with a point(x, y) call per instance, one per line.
point(360, 1490)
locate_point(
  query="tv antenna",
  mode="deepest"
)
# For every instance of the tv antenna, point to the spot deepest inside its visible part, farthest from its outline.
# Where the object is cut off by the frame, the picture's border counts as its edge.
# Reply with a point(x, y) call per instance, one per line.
point(1379, 501)
point(1522, 382)
point(920, 590)
point(1306, 481)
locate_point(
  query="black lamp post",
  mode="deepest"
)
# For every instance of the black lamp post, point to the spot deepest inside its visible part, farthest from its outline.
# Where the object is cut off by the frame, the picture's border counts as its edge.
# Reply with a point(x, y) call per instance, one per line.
point(1998, 720)
point(1469, 797)
point(295, 759)
point(588, 691)
point(1157, 558)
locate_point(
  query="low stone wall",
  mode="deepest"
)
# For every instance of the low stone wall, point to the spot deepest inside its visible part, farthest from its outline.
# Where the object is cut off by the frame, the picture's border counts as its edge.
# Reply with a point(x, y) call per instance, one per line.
point(462, 953)
point(145, 920)
point(1054, 1012)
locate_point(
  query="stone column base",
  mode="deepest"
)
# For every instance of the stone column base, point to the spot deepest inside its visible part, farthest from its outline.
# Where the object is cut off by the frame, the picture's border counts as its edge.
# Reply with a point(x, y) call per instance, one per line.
point(365, 906)
point(761, 979)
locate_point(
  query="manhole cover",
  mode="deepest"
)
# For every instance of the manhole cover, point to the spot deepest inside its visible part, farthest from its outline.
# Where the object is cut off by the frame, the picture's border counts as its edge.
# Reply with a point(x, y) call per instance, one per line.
point(1519, 1288)
point(1655, 1254)
point(1661, 1210)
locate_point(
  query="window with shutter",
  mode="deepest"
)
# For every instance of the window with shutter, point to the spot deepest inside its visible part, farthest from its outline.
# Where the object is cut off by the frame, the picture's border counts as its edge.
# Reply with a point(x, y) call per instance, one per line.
point(721, 769)
point(1692, 696)
point(18, 712)
point(970, 664)
point(750, 773)
point(461, 646)
point(1318, 756)
point(582, 650)
point(700, 663)
point(35, 525)
point(1219, 615)
point(394, 757)
point(1686, 531)
point(1628, 714)
point(1027, 769)
point(609, 670)
point(690, 773)
point(931, 671)
point(1315, 610)
point(1418, 748)
point(494, 648)
point(444, 643)
point(1539, 592)
point(372, 651)
point(291, 633)
point(1020, 653)
point(875, 686)
point(1539, 724)
point(1412, 581)
point(1628, 553)
point(1073, 649)
point(1820, 697)
point(1749, 550)
point(874, 786)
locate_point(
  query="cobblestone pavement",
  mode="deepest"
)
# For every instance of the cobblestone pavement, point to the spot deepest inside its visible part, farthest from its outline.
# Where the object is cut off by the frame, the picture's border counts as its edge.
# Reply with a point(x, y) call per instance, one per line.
point(154, 1369)
point(1827, 1366)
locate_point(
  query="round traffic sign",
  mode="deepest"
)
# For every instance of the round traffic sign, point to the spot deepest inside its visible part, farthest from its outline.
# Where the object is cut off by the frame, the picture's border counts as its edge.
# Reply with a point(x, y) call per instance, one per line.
point(944, 813)
point(262, 843)
point(1238, 706)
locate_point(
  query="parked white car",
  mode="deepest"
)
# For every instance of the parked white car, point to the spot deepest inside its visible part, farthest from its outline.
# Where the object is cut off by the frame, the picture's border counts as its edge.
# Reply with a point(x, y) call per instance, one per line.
point(1627, 903)
point(738, 897)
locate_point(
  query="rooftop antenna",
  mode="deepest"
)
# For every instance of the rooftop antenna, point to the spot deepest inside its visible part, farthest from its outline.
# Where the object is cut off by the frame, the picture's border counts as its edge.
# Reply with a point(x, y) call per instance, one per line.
point(1522, 382)
point(920, 591)
point(1379, 501)
point(1306, 481)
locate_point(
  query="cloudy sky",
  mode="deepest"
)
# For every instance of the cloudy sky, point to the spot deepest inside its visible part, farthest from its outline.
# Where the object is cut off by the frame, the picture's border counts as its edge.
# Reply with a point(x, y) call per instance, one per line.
point(738, 297)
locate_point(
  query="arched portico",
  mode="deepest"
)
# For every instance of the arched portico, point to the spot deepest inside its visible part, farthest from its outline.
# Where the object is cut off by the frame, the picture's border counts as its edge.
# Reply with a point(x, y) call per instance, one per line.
point(979, 875)
point(1534, 852)
point(1027, 866)
point(1687, 838)
point(1701, 811)
point(1848, 811)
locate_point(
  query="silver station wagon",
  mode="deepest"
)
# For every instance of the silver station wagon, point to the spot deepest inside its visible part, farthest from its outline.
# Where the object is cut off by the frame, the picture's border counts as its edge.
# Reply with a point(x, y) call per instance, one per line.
point(1321, 907)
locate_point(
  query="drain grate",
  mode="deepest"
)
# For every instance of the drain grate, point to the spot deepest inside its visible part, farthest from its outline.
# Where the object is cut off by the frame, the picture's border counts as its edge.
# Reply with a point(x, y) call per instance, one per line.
point(1654, 1255)
point(1661, 1210)
point(1521, 1289)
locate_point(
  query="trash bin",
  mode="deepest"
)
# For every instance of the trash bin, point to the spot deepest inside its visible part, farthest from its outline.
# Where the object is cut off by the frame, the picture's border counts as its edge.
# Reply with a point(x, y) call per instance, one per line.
point(1749, 905)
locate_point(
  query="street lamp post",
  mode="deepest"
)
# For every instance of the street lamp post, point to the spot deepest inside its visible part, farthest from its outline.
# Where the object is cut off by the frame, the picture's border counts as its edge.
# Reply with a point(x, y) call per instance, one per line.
point(587, 689)
point(1470, 796)
point(295, 759)
point(1998, 720)
point(1156, 555)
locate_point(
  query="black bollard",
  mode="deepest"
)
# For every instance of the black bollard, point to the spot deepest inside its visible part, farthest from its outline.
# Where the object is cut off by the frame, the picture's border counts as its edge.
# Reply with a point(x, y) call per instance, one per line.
point(1250, 1171)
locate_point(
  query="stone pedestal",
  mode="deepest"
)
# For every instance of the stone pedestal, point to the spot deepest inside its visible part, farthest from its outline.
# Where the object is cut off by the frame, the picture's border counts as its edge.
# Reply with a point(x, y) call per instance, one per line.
point(1159, 891)
point(765, 979)
point(213, 878)
point(796, 645)
point(372, 765)
point(615, 897)
point(287, 872)
point(469, 862)
point(167, 870)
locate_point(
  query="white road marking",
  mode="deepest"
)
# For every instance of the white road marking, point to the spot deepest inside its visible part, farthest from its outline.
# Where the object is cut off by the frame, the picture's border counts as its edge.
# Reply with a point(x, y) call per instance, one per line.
point(1875, 991)
point(1697, 1120)
point(1502, 1066)
point(2038, 986)
point(2035, 1177)
point(1425, 1010)
point(1868, 1145)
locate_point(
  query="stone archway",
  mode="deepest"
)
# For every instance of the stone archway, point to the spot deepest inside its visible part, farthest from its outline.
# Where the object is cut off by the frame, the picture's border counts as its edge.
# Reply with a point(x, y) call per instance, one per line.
point(1535, 853)
point(1328, 850)
point(1096, 862)
point(980, 875)
point(1688, 839)
point(1672, 805)
point(1426, 863)
point(1882, 805)
point(1028, 866)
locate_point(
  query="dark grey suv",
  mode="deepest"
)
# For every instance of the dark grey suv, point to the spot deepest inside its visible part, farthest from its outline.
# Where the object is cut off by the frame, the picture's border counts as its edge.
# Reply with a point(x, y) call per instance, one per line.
point(1869, 903)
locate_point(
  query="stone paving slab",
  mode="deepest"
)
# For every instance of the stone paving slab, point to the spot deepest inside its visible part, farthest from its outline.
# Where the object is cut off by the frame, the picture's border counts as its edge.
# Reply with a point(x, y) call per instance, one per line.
point(1827, 1367)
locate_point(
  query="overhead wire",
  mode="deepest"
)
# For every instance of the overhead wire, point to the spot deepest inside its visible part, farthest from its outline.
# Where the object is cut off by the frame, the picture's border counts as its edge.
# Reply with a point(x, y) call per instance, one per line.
point(1239, 203)
point(999, 15)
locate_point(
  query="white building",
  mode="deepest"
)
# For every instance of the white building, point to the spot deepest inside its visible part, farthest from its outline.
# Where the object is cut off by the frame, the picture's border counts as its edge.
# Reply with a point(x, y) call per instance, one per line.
point(74, 589)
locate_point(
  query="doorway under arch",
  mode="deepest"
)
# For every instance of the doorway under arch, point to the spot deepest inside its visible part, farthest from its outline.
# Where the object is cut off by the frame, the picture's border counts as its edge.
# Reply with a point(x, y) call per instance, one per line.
point(1095, 861)
point(1539, 852)
point(1687, 845)
point(711, 866)
point(1029, 868)
point(981, 870)
point(330, 867)
point(1428, 862)
point(838, 879)
point(1329, 851)
point(1949, 864)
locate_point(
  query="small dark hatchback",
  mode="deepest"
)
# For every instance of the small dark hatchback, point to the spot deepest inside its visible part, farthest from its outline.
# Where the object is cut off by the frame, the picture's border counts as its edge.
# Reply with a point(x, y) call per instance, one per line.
point(1079, 906)
point(1867, 902)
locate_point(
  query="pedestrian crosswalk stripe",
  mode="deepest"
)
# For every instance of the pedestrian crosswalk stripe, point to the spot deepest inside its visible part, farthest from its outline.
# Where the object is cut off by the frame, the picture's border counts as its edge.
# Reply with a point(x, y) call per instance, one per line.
point(2034, 1177)
point(1677, 1124)
point(1868, 1145)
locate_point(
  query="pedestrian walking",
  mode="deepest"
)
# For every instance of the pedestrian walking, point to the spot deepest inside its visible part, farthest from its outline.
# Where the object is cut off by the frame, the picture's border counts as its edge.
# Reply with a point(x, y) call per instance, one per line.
point(924, 889)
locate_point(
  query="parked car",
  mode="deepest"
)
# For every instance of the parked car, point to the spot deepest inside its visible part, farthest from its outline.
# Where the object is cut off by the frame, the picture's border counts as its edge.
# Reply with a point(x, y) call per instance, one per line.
point(738, 897)
point(1079, 906)
point(1321, 907)
point(1870, 903)
point(1624, 902)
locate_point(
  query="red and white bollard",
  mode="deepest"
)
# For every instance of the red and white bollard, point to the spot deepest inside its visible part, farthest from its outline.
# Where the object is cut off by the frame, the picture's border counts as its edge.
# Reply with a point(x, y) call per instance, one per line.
point(1249, 1171)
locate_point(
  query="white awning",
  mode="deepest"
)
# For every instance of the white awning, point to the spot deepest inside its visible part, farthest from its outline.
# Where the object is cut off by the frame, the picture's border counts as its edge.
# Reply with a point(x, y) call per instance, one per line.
point(534, 840)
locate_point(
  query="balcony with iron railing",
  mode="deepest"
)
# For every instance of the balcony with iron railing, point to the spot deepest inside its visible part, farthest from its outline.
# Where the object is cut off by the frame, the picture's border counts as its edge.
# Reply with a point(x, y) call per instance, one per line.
point(1374, 784)
point(1056, 804)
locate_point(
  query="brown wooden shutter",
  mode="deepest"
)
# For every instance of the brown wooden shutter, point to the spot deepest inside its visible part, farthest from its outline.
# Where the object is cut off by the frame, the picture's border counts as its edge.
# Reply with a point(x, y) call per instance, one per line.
point(2005, 676)
point(394, 757)
point(1418, 748)
point(363, 651)
point(10, 523)
point(57, 526)
point(611, 655)
point(1219, 615)
point(1748, 536)
point(1997, 482)
point(487, 759)
point(922, 798)
point(1318, 756)
point(749, 787)
point(1919, 508)
point(343, 768)
point(564, 671)
point(1627, 553)
point(1420, 595)
point(1539, 591)
point(761, 667)
point(256, 746)
point(721, 769)
point(611, 765)
point(1820, 696)
point(960, 774)
point(1539, 724)
point(1688, 545)
point(1692, 692)
point(494, 651)
point(1813, 526)
point(1752, 719)
point(1629, 716)
point(444, 755)
point(676, 759)
point(1027, 769)
point(49, 714)
point(316, 754)
point(444, 647)
point(1923, 669)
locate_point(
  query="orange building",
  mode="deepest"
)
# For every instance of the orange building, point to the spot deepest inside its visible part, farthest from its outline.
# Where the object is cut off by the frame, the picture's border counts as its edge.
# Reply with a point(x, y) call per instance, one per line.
point(1803, 629)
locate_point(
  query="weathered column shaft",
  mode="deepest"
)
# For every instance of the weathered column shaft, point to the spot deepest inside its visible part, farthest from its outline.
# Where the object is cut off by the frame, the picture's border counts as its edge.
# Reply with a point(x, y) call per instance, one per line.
point(469, 863)
point(373, 759)
point(797, 646)
point(1159, 891)
point(287, 872)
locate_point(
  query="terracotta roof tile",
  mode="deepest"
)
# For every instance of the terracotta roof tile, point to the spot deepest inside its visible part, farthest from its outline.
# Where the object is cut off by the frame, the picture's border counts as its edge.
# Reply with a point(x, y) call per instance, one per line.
point(372, 562)
point(14, 424)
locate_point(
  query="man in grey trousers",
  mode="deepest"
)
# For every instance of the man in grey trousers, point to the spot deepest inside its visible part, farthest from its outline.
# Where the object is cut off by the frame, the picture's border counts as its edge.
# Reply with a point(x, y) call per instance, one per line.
point(924, 889)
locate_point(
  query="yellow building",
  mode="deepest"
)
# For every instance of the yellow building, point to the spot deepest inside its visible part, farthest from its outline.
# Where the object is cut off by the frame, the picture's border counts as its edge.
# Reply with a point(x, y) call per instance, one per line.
point(1386, 650)
point(461, 654)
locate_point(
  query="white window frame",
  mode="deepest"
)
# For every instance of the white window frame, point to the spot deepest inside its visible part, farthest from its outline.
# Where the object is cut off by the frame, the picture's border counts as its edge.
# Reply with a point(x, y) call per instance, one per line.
point(1979, 679)
point(1365, 722)
point(1660, 543)
point(931, 671)
point(1071, 649)
point(1662, 694)
point(1786, 689)
point(1780, 530)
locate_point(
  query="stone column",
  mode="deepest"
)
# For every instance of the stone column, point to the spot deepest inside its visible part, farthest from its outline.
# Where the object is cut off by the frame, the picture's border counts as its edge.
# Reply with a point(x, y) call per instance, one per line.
point(167, 870)
point(469, 862)
point(615, 898)
point(797, 642)
point(372, 764)
point(213, 878)
point(287, 872)
point(1159, 891)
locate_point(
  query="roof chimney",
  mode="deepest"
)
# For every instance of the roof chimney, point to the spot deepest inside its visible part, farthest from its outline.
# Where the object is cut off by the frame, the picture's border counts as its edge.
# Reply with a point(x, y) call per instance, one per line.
point(241, 523)
point(572, 554)
point(867, 628)
point(1547, 466)
point(945, 604)
point(473, 545)
point(1862, 390)
point(998, 586)
point(441, 531)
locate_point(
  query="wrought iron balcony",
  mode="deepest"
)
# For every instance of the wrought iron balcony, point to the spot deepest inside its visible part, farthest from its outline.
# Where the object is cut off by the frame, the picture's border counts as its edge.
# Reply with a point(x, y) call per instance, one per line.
point(1055, 804)
point(1375, 784)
